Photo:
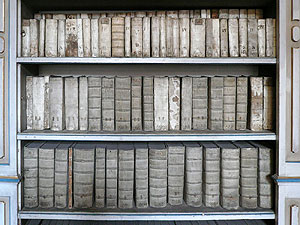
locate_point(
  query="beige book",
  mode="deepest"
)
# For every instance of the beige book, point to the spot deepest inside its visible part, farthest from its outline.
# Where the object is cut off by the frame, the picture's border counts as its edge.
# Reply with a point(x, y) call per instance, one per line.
point(51, 38)
point(140, 14)
point(224, 37)
point(146, 37)
point(38, 103)
point(208, 13)
point(29, 101)
point(251, 14)
point(197, 37)
point(229, 103)
point(223, 13)
point(212, 38)
point(71, 103)
point(270, 37)
point(233, 30)
point(128, 32)
point(256, 104)
point(243, 13)
point(155, 34)
point(162, 37)
point(95, 39)
point(161, 115)
point(243, 37)
point(94, 103)
point(200, 103)
point(269, 103)
point(42, 33)
point(46, 103)
point(176, 37)
point(56, 99)
point(197, 14)
point(137, 37)
point(186, 103)
point(85, 16)
point(241, 103)
point(71, 38)
point(136, 103)
point(34, 38)
point(59, 16)
point(261, 30)
point(80, 38)
point(203, 14)
point(174, 103)
point(61, 38)
point(86, 28)
point(184, 33)
point(252, 38)
point(234, 13)
point(108, 103)
point(118, 37)
point(148, 106)
point(105, 39)
point(169, 33)
point(83, 103)
point(215, 102)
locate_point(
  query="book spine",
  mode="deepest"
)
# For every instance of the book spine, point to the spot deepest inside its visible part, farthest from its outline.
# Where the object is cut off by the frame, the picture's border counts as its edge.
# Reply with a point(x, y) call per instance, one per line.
point(95, 38)
point(256, 115)
point(29, 102)
point(71, 38)
point(197, 38)
point(234, 13)
point(94, 103)
point(270, 37)
point(155, 34)
point(261, 30)
point(71, 103)
point(137, 37)
point(162, 36)
point(136, 104)
point(59, 16)
point(184, 34)
point(46, 103)
point(108, 103)
point(118, 36)
point(161, 115)
point(83, 103)
point(229, 103)
point(146, 37)
point(61, 39)
point(224, 37)
point(128, 31)
point(42, 31)
point(174, 103)
point(169, 34)
point(251, 14)
point(86, 29)
point(34, 38)
point(105, 41)
point(233, 30)
point(38, 103)
point(51, 38)
point(70, 178)
point(148, 104)
point(56, 90)
point(26, 38)
point(208, 13)
point(243, 37)
point(216, 90)
point(212, 38)
point(243, 14)
point(269, 104)
point(197, 14)
point(223, 13)
point(100, 177)
point(252, 38)
point(186, 103)
point(111, 178)
point(241, 103)
point(123, 103)
point(80, 38)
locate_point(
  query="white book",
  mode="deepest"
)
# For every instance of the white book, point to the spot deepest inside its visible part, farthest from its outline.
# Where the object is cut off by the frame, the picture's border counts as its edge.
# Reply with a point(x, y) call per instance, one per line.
point(184, 33)
point(146, 37)
point(176, 36)
point(233, 30)
point(203, 14)
point(26, 38)
point(83, 103)
point(212, 38)
point(174, 103)
point(270, 37)
point(197, 38)
point(80, 38)
point(137, 37)
point(251, 14)
point(86, 29)
point(224, 14)
point(71, 38)
point(229, 103)
point(118, 37)
point(46, 103)
point(128, 36)
point(243, 37)
point(186, 103)
point(95, 37)
point(215, 102)
point(100, 175)
point(234, 13)
point(243, 13)
point(108, 103)
point(105, 40)
point(269, 104)
point(261, 30)
point(38, 103)
point(155, 35)
point(61, 38)
point(56, 90)
point(197, 14)
point(59, 16)
point(224, 37)
point(71, 103)
point(241, 103)
point(111, 177)
point(34, 38)
point(136, 103)
point(252, 38)
point(51, 38)
point(148, 106)
point(162, 37)
point(94, 103)
point(169, 31)
point(42, 33)
point(256, 98)
point(29, 102)
point(208, 13)
point(161, 115)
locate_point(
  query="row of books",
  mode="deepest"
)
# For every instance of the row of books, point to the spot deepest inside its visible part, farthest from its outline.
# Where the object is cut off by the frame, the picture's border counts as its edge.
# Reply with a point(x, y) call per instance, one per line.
point(137, 103)
point(183, 33)
point(142, 175)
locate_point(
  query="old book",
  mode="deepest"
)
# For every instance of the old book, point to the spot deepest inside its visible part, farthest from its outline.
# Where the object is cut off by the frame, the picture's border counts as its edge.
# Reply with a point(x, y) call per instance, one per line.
point(176, 36)
point(136, 103)
point(230, 175)
point(155, 36)
point(128, 31)
point(248, 180)
point(137, 37)
point(233, 30)
point(261, 30)
point(229, 102)
point(208, 13)
point(241, 103)
point(86, 30)
point(105, 40)
point(108, 103)
point(49, 16)
point(95, 37)
point(46, 174)
point(176, 153)
point(243, 13)
point(252, 38)
point(26, 38)
point(200, 103)
point(193, 174)
point(215, 103)
point(162, 34)
point(59, 16)
point(51, 38)
point(100, 175)
point(71, 103)
point(38, 103)
point(169, 32)
point(42, 34)
point(215, 14)
point(118, 36)
point(71, 38)
point(234, 13)
point(125, 175)
point(94, 103)
point(30, 173)
point(140, 14)
point(80, 38)
point(211, 174)
point(212, 38)
point(223, 13)
point(203, 14)
point(197, 38)
point(83, 172)
point(243, 37)
point(158, 174)
point(70, 176)
point(197, 14)
point(259, 13)
point(61, 175)
point(256, 103)
point(141, 174)
point(251, 14)
point(184, 33)
point(56, 90)
point(148, 104)
point(29, 102)
point(161, 115)
point(83, 103)
point(269, 104)
point(61, 38)
point(46, 102)
point(224, 37)
point(146, 36)
point(111, 175)
point(270, 37)
point(34, 37)
point(174, 103)
point(186, 103)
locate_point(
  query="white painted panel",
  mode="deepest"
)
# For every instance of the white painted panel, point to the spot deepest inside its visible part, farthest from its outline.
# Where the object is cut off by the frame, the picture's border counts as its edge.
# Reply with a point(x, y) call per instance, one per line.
point(2, 15)
point(1, 107)
point(294, 215)
point(2, 213)
point(296, 9)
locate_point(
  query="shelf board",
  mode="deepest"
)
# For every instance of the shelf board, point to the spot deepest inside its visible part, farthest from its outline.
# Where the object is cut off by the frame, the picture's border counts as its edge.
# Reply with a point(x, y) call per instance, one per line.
point(147, 136)
point(70, 60)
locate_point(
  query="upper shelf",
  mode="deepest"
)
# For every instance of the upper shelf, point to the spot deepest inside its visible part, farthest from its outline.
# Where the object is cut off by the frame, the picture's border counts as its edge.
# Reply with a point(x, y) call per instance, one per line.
point(66, 60)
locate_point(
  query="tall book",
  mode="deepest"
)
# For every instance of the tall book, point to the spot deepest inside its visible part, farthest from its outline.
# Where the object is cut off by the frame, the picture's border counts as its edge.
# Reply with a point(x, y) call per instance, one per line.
point(51, 38)
point(197, 14)
point(95, 38)
point(61, 38)
point(162, 34)
point(111, 175)
point(56, 91)
point(230, 175)
point(26, 38)
point(71, 38)
point(125, 175)
point(252, 38)
point(158, 174)
point(161, 115)
point(270, 37)
point(269, 104)
point(224, 38)
point(136, 103)
point(197, 37)
point(200, 103)
point(46, 174)
point(193, 174)
point(184, 33)
point(148, 104)
point(169, 32)
point(186, 103)
point(229, 102)
point(71, 103)
point(100, 175)
point(86, 30)
point(223, 13)
point(243, 13)
point(108, 103)
point(174, 103)
point(176, 156)
point(256, 103)
point(34, 38)
point(211, 174)
point(83, 103)
point(118, 36)
point(176, 36)
point(123, 103)
point(105, 37)
point(83, 172)
point(29, 102)
point(241, 103)
point(233, 31)
point(203, 13)
point(38, 103)
point(212, 38)
point(248, 182)
point(261, 32)
point(141, 174)
point(128, 31)
point(243, 37)
point(155, 34)
point(215, 102)
point(31, 174)
point(46, 103)
point(146, 36)
point(42, 34)
point(251, 14)
point(234, 13)
point(80, 38)
point(94, 103)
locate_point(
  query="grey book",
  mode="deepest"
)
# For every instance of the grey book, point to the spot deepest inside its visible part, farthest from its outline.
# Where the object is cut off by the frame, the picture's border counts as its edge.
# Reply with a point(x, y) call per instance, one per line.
point(211, 174)
point(162, 34)
point(57, 112)
point(100, 175)
point(105, 38)
point(42, 33)
point(108, 103)
point(186, 103)
point(136, 103)
point(34, 37)
point(83, 103)
point(123, 103)
point(256, 103)
point(215, 102)
point(184, 34)
point(158, 174)
point(46, 174)
point(31, 174)
point(146, 37)
point(212, 38)
point(71, 38)
point(94, 103)
point(176, 156)
point(261, 31)
point(137, 36)
point(252, 38)
point(233, 31)
point(51, 38)
point(148, 100)
point(29, 102)
point(111, 190)
point(38, 103)
point(161, 105)
point(141, 174)
point(174, 103)
point(248, 182)
point(270, 37)
point(83, 172)
point(241, 103)
point(229, 102)
point(128, 35)
point(155, 33)
point(71, 103)
point(230, 175)
point(197, 37)
point(193, 174)
point(125, 175)
point(224, 49)
point(26, 38)
point(46, 102)
point(243, 37)
point(118, 37)
point(200, 103)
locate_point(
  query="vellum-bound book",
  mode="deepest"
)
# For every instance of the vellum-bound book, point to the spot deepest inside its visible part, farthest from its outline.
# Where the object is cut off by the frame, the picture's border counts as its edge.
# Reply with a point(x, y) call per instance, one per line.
point(71, 103)
point(51, 38)
point(269, 104)
point(243, 37)
point(155, 34)
point(162, 34)
point(80, 38)
point(148, 104)
point(186, 103)
point(26, 38)
point(108, 103)
point(271, 37)
point(252, 38)
point(105, 37)
point(241, 103)
point(56, 91)
point(128, 35)
point(42, 34)
point(146, 36)
point(137, 37)
point(215, 112)
point(169, 32)
point(256, 104)
point(46, 103)
point(136, 103)
point(224, 37)
point(174, 103)
point(83, 103)
point(261, 30)
point(233, 30)
point(161, 115)
point(212, 38)
point(100, 175)
point(29, 102)
point(34, 38)
point(61, 38)
point(94, 103)
point(111, 175)
point(197, 37)
point(71, 38)
point(38, 103)
point(118, 36)
point(176, 36)
point(95, 37)
point(184, 33)
point(86, 30)
point(229, 103)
